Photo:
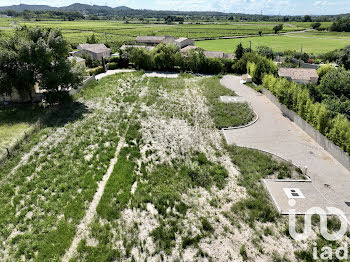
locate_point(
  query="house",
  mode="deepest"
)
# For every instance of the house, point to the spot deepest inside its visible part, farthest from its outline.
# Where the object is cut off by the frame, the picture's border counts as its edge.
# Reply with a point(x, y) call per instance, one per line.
point(77, 59)
point(183, 42)
point(218, 54)
point(155, 40)
point(299, 75)
point(97, 51)
point(126, 47)
point(187, 49)
point(35, 96)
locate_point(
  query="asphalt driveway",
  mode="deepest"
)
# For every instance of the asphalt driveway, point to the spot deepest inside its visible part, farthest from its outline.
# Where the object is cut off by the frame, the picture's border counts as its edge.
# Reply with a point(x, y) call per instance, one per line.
point(276, 134)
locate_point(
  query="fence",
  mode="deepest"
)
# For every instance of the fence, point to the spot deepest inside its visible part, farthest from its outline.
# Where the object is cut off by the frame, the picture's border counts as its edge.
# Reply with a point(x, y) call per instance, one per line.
point(323, 141)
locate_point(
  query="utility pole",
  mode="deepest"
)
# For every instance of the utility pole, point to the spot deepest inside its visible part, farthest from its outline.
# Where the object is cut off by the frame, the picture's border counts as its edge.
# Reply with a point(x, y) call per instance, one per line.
point(301, 53)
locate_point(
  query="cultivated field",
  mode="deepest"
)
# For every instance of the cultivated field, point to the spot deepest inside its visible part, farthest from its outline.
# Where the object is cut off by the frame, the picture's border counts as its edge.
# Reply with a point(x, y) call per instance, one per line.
point(137, 169)
point(311, 42)
point(77, 31)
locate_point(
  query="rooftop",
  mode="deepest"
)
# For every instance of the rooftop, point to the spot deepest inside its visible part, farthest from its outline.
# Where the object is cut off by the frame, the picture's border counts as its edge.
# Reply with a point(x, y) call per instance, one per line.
point(298, 73)
point(181, 39)
point(214, 54)
point(95, 48)
point(152, 39)
point(77, 59)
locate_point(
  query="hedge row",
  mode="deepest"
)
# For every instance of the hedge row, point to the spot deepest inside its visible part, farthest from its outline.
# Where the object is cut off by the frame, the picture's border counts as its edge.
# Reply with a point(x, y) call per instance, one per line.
point(168, 58)
point(297, 98)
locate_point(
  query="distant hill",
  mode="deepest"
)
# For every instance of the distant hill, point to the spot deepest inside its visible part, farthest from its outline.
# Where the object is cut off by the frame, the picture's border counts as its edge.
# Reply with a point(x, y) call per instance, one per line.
point(22, 7)
point(83, 8)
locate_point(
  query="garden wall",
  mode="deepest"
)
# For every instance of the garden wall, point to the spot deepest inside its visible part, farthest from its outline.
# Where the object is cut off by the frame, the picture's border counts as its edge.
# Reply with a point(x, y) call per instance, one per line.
point(324, 142)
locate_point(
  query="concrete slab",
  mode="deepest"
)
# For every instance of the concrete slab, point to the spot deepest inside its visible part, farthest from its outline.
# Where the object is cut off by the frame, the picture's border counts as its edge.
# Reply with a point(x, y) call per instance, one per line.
point(307, 197)
point(232, 99)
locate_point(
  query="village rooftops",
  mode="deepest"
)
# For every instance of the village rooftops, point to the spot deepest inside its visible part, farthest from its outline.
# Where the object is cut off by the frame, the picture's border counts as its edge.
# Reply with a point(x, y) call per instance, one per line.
point(95, 48)
point(299, 75)
point(188, 48)
point(151, 40)
point(125, 47)
point(218, 54)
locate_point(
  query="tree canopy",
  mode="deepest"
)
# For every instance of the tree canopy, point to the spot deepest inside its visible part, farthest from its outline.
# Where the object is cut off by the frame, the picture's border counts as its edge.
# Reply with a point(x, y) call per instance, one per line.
point(35, 55)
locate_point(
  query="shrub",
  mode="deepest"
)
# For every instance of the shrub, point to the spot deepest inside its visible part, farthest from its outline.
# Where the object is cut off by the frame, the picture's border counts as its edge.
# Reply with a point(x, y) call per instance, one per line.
point(240, 67)
point(112, 66)
point(344, 58)
point(262, 67)
point(214, 66)
point(114, 59)
point(336, 83)
point(164, 56)
point(239, 51)
point(297, 98)
point(324, 70)
point(97, 70)
point(228, 64)
point(266, 51)
point(141, 58)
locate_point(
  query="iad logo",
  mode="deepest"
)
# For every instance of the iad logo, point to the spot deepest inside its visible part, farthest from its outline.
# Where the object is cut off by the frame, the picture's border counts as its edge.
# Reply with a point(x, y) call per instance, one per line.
point(326, 252)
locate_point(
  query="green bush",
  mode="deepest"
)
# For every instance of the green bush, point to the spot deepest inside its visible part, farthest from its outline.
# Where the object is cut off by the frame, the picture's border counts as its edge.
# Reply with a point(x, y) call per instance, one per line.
point(259, 69)
point(297, 98)
point(97, 70)
point(112, 66)
point(114, 59)
point(323, 70)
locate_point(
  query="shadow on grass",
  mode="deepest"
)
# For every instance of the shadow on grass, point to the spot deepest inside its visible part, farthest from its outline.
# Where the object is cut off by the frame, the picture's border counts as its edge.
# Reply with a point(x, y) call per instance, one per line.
point(53, 116)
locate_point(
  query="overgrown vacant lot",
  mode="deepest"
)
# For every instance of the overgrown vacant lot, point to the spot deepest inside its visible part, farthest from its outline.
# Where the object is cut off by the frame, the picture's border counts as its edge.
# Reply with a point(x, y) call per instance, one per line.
point(176, 192)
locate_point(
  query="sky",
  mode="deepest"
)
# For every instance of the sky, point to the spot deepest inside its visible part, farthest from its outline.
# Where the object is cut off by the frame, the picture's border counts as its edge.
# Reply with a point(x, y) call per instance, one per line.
point(282, 7)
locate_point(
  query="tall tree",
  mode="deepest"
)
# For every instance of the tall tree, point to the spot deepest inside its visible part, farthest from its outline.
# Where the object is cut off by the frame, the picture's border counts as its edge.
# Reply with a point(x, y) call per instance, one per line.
point(278, 28)
point(239, 51)
point(35, 55)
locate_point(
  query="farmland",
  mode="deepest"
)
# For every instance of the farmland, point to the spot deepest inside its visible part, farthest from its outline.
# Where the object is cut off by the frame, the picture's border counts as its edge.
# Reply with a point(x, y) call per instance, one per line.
point(77, 31)
point(176, 191)
point(310, 42)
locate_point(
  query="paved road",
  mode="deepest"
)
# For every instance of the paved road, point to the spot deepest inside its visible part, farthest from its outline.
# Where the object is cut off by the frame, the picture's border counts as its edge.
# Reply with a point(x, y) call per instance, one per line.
point(276, 134)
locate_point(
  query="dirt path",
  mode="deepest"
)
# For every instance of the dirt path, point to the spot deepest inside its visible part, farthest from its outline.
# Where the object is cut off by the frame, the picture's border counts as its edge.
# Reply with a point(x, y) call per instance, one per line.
point(82, 229)
point(278, 135)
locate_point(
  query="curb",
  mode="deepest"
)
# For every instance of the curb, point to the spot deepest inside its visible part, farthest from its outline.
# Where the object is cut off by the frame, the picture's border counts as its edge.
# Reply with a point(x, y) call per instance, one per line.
point(244, 126)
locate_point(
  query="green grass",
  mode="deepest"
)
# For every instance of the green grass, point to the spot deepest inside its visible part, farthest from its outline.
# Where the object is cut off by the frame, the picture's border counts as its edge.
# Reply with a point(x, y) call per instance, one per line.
point(255, 166)
point(277, 43)
point(77, 31)
point(14, 122)
point(345, 36)
point(46, 196)
point(225, 114)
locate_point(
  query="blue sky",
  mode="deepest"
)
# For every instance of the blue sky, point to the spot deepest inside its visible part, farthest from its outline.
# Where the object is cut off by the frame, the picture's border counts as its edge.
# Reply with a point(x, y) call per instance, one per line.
point(283, 7)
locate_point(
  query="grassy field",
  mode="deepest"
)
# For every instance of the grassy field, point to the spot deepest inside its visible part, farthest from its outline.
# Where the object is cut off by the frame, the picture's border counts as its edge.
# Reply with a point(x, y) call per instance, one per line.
point(277, 43)
point(14, 122)
point(77, 30)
